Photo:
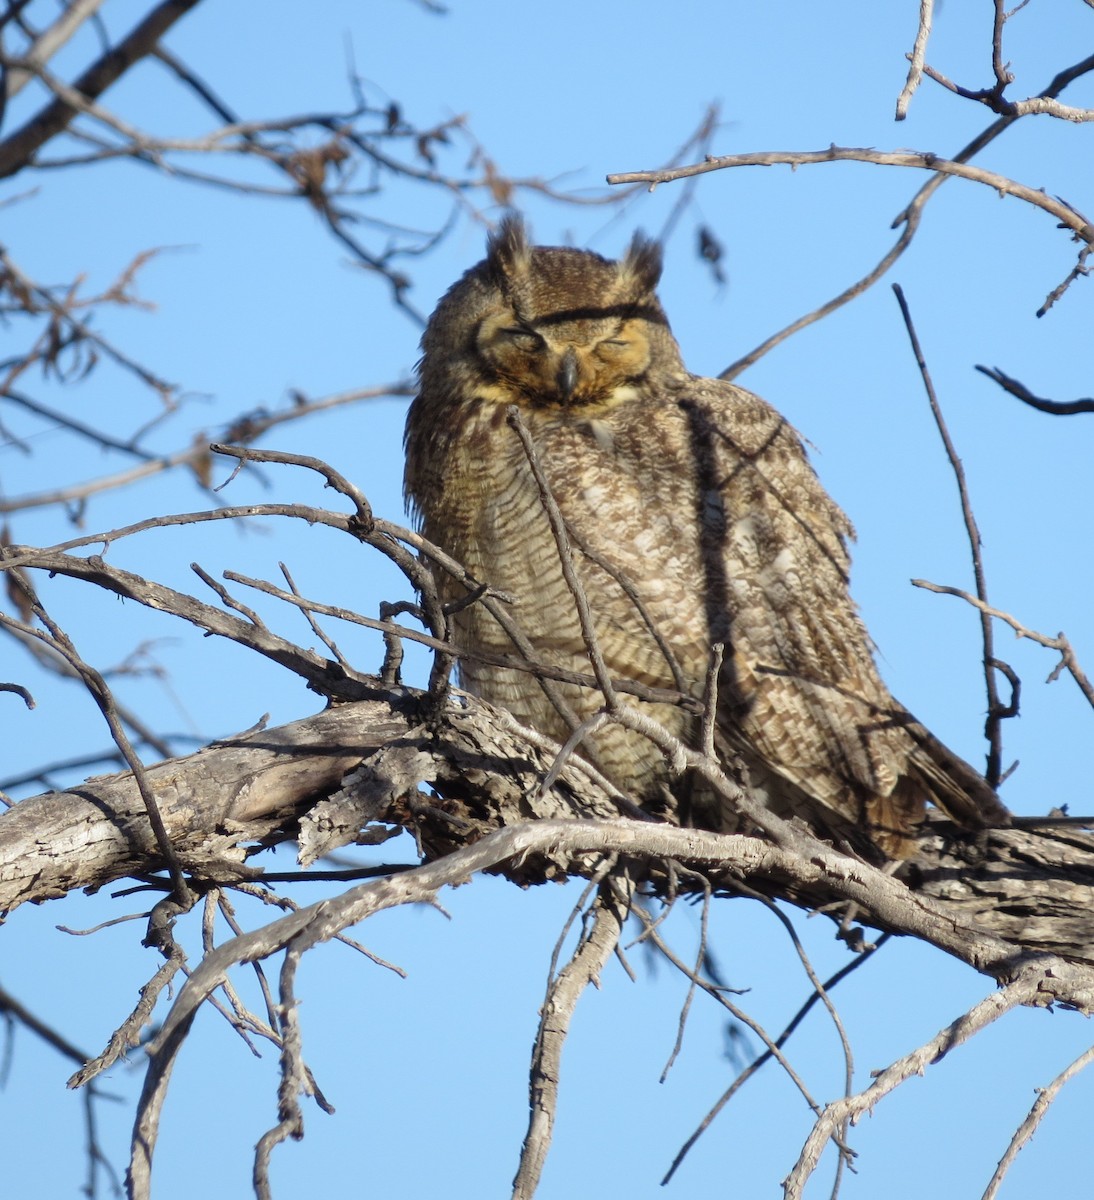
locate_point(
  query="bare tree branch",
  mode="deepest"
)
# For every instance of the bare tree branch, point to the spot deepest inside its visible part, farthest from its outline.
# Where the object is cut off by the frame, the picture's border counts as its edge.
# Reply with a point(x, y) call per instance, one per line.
point(1028, 1128)
point(18, 149)
point(993, 730)
point(909, 218)
point(1058, 408)
point(247, 427)
point(1067, 662)
point(1064, 213)
point(916, 58)
point(1037, 979)
point(597, 944)
point(1021, 991)
point(47, 43)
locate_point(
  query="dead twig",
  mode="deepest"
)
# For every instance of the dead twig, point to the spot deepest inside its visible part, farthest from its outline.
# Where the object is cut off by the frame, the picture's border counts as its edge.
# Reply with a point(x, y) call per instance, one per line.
point(1059, 643)
point(909, 217)
point(916, 58)
point(1058, 408)
point(599, 940)
point(566, 561)
point(1045, 1097)
point(1067, 216)
point(993, 730)
point(851, 1108)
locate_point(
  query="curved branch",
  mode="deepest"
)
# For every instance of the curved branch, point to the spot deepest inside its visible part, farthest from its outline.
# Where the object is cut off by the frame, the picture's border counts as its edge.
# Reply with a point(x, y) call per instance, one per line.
point(1064, 213)
point(1040, 979)
point(1028, 1128)
point(1058, 408)
point(49, 41)
point(1060, 642)
point(1022, 991)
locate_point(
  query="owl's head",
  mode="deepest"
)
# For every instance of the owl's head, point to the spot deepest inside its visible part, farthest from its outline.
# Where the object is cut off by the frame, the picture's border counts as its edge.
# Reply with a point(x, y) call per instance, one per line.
point(546, 325)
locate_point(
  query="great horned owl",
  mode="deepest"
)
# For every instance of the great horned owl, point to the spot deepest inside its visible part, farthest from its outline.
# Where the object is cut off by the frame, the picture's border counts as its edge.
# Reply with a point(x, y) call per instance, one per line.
point(694, 518)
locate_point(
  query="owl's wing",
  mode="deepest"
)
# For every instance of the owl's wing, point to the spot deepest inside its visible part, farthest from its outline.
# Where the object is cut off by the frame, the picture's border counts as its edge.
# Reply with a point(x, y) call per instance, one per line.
point(802, 694)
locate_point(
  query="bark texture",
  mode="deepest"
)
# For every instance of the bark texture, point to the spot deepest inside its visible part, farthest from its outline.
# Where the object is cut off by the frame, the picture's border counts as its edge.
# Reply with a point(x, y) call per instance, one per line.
point(325, 779)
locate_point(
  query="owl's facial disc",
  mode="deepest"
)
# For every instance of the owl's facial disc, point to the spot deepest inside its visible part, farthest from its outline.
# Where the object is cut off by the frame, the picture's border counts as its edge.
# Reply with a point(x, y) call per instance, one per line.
point(580, 363)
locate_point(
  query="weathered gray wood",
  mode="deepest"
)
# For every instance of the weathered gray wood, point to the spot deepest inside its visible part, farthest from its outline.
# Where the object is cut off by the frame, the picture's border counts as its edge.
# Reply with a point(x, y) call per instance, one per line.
point(319, 780)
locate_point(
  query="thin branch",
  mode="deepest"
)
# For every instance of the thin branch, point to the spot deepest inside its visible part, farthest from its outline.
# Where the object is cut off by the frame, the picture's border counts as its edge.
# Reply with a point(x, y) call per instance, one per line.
point(701, 953)
point(909, 218)
point(35, 299)
point(1003, 77)
point(916, 58)
point(566, 560)
point(313, 624)
point(335, 479)
point(993, 731)
point(632, 594)
point(212, 620)
point(1060, 643)
point(717, 993)
point(293, 1077)
point(1064, 213)
point(47, 43)
point(710, 701)
point(851, 1108)
point(19, 148)
point(50, 659)
point(101, 693)
point(1058, 408)
point(764, 1057)
point(561, 537)
point(1078, 271)
point(19, 1012)
point(245, 428)
point(584, 768)
point(17, 689)
point(543, 671)
point(773, 1048)
point(64, 421)
point(598, 942)
point(911, 226)
point(128, 1034)
point(993, 98)
point(1028, 1128)
point(81, 104)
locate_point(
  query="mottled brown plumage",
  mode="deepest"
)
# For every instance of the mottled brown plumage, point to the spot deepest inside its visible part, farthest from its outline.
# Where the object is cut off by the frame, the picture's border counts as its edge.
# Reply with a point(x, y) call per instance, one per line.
point(692, 511)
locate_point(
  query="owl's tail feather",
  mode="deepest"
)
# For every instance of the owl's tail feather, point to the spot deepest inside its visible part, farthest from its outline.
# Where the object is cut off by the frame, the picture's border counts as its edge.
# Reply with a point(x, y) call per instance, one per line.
point(894, 819)
point(960, 791)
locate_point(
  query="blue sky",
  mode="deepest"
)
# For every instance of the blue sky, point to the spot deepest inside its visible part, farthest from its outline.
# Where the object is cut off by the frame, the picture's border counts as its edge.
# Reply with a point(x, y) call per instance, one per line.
point(253, 299)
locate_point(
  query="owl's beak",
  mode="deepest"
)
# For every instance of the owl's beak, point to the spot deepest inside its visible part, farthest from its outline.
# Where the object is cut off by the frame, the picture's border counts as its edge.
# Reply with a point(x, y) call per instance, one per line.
point(566, 379)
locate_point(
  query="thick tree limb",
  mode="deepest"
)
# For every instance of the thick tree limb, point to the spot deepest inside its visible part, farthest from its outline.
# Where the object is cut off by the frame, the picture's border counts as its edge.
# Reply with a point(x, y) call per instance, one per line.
point(1013, 891)
point(233, 791)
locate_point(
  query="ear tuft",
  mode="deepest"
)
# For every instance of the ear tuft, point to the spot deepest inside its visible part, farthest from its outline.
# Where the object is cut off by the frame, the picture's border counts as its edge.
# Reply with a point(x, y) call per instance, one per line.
point(641, 265)
point(507, 250)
